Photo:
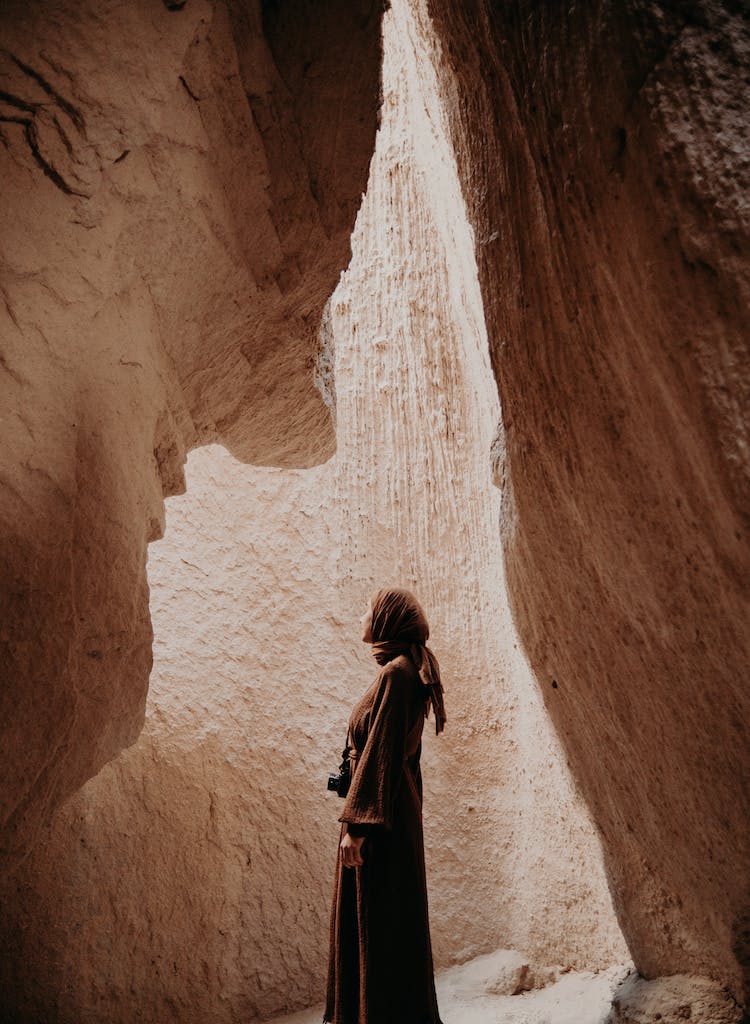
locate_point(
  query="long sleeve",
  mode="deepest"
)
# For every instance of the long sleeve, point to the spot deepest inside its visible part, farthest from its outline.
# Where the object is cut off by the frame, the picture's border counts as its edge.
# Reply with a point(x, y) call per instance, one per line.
point(381, 764)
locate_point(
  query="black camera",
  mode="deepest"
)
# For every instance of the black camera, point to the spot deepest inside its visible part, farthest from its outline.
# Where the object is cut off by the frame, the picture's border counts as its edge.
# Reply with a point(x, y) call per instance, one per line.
point(339, 783)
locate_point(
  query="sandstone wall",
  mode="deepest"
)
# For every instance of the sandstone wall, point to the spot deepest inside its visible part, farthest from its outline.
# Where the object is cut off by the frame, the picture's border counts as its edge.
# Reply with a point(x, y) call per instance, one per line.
point(602, 149)
point(180, 182)
point(191, 879)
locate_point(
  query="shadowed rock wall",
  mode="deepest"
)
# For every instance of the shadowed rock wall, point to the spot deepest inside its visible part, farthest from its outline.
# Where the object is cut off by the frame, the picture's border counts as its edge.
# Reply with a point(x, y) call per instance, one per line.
point(154, 258)
point(179, 190)
point(603, 154)
point(191, 879)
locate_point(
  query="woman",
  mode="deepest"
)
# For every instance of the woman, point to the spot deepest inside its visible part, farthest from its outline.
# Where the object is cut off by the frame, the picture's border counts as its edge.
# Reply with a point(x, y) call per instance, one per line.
point(380, 959)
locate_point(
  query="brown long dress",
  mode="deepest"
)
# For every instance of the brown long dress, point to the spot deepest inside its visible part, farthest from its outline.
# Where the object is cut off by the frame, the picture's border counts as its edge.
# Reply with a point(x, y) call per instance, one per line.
point(380, 958)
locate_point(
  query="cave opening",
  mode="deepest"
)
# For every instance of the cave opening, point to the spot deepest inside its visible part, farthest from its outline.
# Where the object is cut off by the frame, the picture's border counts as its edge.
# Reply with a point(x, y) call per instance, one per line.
point(189, 879)
point(201, 858)
point(281, 563)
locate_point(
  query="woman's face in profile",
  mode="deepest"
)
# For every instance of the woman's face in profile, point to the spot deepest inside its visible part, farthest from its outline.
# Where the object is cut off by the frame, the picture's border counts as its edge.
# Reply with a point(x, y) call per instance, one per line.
point(366, 622)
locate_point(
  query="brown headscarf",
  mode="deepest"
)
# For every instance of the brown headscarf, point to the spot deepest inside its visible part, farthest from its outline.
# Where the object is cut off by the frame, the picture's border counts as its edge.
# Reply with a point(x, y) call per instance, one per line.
point(399, 626)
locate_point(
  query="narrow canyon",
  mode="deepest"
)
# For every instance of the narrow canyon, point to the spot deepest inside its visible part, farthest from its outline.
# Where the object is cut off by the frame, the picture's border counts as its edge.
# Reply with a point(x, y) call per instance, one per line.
point(303, 299)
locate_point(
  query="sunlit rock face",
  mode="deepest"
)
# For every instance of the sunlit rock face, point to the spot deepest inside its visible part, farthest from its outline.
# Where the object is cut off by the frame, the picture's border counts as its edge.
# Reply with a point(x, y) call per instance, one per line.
point(175, 212)
point(191, 879)
point(180, 182)
point(603, 153)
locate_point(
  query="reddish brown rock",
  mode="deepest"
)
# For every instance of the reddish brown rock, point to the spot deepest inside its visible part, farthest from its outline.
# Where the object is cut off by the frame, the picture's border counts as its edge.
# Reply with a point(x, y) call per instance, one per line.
point(179, 188)
point(175, 211)
point(192, 878)
point(604, 159)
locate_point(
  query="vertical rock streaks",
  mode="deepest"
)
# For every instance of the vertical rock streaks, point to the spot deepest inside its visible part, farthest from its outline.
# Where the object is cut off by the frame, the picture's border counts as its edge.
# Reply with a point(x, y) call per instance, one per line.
point(602, 150)
point(558, 197)
point(212, 837)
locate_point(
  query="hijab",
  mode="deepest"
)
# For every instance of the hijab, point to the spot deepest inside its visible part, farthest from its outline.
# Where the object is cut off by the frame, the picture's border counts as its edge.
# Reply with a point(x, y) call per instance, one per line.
point(399, 626)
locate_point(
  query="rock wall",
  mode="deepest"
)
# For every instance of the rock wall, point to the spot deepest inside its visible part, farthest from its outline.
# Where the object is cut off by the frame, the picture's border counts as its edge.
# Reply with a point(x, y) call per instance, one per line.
point(180, 182)
point(175, 212)
point(191, 879)
point(602, 149)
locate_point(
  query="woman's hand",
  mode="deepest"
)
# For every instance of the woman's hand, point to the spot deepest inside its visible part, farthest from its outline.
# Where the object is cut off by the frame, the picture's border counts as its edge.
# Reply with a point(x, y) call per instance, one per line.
point(351, 850)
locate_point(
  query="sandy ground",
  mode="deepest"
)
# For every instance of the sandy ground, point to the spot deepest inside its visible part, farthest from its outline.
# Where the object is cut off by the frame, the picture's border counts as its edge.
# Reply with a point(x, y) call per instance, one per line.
point(478, 992)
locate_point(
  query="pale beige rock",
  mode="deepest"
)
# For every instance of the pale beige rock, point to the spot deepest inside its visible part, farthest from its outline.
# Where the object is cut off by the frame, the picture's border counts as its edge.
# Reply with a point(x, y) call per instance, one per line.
point(576, 998)
point(615, 996)
point(505, 972)
point(178, 192)
point(192, 878)
point(672, 1000)
point(603, 154)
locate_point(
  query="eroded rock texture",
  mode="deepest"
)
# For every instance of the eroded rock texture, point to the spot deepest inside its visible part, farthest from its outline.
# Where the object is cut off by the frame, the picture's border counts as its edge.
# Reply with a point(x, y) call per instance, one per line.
point(603, 154)
point(191, 879)
point(672, 1000)
point(179, 190)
